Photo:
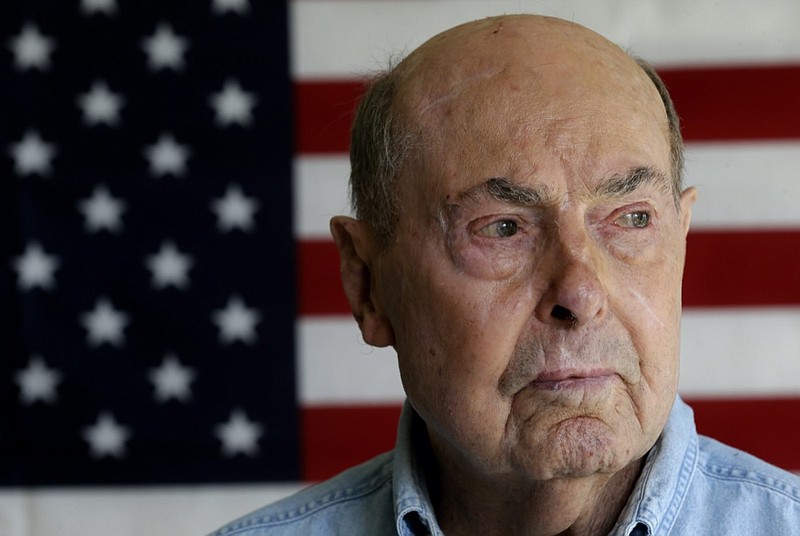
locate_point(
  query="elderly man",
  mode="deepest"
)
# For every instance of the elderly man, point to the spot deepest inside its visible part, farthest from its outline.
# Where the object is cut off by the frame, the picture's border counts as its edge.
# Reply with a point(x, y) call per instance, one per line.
point(520, 242)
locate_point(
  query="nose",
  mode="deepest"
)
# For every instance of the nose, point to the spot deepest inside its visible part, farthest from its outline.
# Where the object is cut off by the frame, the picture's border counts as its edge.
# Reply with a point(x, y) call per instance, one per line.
point(574, 294)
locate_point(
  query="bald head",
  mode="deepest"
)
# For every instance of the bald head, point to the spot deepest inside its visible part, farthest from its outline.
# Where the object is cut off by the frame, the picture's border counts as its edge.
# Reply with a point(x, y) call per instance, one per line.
point(534, 72)
point(527, 45)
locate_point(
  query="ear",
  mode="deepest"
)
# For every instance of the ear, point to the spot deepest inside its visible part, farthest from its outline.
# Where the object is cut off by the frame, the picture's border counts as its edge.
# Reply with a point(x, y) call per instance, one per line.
point(357, 249)
point(688, 197)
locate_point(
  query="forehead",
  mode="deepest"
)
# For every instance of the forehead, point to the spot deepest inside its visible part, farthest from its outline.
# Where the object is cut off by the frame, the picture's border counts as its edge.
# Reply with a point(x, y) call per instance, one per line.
point(525, 94)
point(448, 63)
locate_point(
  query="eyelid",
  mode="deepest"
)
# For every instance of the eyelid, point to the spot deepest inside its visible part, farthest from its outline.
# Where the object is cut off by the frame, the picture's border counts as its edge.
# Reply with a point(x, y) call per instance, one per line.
point(479, 224)
point(643, 205)
point(634, 208)
point(482, 231)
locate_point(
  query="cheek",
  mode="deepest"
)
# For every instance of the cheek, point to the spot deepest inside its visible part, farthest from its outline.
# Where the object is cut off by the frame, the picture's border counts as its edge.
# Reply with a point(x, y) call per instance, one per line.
point(649, 307)
point(442, 332)
point(486, 259)
point(650, 288)
point(454, 338)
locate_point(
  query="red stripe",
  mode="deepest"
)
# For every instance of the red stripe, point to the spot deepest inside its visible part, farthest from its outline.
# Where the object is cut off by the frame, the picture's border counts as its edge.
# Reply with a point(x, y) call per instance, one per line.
point(725, 268)
point(338, 437)
point(320, 288)
point(743, 268)
point(768, 428)
point(323, 115)
point(736, 103)
point(335, 438)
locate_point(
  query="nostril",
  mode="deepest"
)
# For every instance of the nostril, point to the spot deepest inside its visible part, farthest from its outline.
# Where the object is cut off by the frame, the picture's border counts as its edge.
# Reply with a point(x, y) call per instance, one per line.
point(562, 313)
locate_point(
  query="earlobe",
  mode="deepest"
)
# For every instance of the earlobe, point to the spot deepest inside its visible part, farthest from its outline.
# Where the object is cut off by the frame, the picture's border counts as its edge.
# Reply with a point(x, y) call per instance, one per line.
point(356, 244)
point(688, 197)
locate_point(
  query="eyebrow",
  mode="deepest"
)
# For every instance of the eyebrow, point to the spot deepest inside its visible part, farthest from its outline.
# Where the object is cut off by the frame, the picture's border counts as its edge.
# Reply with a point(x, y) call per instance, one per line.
point(619, 185)
point(502, 189)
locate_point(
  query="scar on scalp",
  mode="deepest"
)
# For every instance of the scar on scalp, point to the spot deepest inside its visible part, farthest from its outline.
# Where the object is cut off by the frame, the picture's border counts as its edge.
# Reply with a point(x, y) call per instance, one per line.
point(456, 89)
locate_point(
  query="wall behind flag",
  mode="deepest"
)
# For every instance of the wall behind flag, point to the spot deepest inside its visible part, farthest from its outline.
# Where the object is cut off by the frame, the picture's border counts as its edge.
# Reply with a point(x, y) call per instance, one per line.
point(733, 70)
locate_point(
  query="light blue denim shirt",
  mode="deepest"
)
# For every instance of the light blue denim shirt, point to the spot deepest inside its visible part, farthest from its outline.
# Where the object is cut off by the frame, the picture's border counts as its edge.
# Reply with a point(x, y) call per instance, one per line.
point(690, 485)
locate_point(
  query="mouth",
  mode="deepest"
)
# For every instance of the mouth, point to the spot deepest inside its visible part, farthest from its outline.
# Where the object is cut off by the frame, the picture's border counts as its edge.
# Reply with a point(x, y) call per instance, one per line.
point(573, 379)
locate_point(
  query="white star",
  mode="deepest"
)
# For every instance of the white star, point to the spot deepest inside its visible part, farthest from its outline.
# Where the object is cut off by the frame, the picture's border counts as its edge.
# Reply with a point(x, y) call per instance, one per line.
point(167, 156)
point(37, 382)
point(101, 211)
point(233, 105)
point(104, 324)
point(35, 268)
point(88, 7)
point(172, 380)
point(237, 322)
point(165, 49)
point(107, 437)
point(221, 6)
point(169, 267)
point(100, 105)
point(239, 435)
point(31, 49)
point(32, 155)
point(234, 210)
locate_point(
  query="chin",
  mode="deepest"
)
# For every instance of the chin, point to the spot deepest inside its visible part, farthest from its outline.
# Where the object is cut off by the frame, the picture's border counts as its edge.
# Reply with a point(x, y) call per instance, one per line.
point(578, 447)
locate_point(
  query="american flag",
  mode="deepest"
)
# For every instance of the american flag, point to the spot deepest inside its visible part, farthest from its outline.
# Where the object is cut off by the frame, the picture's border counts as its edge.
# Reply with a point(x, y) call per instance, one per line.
point(166, 169)
point(148, 260)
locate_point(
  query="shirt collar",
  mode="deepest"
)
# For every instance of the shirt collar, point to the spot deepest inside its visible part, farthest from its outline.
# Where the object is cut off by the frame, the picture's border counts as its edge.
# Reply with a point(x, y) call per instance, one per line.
point(666, 475)
point(413, 509)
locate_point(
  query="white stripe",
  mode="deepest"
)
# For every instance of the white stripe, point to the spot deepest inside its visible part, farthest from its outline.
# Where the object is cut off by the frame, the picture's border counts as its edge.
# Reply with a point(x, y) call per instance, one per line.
point(337, 366)
point(320, 192)
point(739, 352)
point(745, 185)
point(334, 39)
point(741, 185)
point(751, 352)
point(157, 511)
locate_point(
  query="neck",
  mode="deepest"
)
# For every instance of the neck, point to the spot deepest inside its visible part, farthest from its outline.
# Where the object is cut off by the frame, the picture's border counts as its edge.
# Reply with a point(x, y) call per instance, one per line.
point(577, 506)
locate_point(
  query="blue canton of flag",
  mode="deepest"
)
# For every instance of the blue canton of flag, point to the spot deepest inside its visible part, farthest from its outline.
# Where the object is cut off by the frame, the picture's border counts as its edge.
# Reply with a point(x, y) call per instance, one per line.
point(147, 259)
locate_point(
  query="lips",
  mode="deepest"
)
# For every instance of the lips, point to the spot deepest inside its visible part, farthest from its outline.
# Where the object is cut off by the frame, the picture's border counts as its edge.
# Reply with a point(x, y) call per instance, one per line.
point(573, 379)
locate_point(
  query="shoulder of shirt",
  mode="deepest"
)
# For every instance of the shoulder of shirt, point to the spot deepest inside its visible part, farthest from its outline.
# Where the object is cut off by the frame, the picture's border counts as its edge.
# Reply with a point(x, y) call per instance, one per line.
point(348, 493)
point(725, 464)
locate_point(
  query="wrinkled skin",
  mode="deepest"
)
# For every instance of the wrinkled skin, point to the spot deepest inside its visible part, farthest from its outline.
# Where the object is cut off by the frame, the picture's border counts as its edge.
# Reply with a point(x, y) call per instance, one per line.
point(532, 286)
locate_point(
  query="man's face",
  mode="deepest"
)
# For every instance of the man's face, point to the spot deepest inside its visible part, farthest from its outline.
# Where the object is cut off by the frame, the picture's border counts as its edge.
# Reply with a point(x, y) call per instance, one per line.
point(533, 286)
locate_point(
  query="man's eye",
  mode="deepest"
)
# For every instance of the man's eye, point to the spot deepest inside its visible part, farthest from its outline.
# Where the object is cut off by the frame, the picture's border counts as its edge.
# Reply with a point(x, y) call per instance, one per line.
point(500, 229)
point(634, 219)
